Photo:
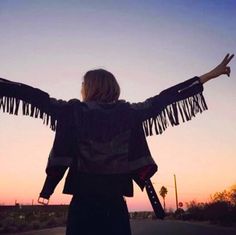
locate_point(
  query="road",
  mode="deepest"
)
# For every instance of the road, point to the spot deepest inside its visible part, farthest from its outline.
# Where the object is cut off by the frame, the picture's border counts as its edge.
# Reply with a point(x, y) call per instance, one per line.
point(157, 227)
point(168, 227)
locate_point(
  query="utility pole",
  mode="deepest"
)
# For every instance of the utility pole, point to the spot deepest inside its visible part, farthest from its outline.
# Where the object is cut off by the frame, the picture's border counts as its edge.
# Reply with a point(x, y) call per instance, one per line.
point(176, 194)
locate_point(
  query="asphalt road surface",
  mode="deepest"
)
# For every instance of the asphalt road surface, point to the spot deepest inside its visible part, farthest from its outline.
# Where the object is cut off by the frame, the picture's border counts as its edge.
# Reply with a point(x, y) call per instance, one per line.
point(157, 227)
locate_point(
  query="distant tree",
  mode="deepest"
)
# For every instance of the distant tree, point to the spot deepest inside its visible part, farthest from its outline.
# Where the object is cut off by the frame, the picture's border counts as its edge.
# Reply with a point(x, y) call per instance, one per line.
point(223, 196)
point(163, 191)
point(233, 195)
point(228, 196)
point(233, 186)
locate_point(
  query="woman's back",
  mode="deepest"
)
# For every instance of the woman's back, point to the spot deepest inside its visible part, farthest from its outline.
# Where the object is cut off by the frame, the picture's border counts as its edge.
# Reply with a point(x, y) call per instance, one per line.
point(99, 148)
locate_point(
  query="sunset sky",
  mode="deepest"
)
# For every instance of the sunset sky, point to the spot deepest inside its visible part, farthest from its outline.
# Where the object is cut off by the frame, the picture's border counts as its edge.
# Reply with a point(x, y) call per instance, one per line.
point(149, 46)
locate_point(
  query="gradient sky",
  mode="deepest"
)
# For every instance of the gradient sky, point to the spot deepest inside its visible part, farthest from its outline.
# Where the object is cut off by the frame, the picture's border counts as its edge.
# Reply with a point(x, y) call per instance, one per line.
point(149, 46)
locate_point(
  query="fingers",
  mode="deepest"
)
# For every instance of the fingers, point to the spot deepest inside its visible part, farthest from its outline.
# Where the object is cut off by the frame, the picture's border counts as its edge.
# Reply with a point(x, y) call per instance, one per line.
point(43, 201)
point(228, 71)
point(230, 58)
point(227, 59)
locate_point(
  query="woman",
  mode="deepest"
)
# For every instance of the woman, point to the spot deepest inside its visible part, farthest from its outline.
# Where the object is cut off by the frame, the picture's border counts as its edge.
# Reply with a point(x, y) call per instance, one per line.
point(102, 141)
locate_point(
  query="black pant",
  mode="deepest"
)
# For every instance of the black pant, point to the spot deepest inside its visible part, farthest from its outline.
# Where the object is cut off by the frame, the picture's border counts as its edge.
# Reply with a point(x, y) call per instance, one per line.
point(98, 215)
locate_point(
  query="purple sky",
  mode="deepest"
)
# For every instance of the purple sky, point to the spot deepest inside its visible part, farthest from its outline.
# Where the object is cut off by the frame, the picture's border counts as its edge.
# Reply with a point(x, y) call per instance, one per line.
point(149, 46)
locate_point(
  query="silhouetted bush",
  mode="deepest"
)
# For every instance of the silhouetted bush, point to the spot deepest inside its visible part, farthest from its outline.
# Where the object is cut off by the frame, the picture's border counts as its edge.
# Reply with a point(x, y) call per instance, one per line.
point(24, 218)
point(196, 210)
point(221, 209)
point(217, 211)
point(36, 225)
point(142, 215)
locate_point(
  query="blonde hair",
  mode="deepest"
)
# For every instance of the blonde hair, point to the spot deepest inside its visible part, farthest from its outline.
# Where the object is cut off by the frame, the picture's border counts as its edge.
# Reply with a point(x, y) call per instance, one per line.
point(100, 85)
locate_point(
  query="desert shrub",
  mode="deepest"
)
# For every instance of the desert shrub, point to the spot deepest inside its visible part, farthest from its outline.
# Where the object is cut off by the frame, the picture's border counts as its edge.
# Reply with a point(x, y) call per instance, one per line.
point(221, 209)
point(36, 225)
point(196, 210)
point(217, 210)
point(9, 221)
point(9, 229)
point(43, 217)
point(52, 222)
point(18, 219)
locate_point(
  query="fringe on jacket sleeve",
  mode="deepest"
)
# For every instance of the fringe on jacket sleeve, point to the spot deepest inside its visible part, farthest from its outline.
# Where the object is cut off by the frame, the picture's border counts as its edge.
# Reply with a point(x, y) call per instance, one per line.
point(180, 102)
point(32, 101)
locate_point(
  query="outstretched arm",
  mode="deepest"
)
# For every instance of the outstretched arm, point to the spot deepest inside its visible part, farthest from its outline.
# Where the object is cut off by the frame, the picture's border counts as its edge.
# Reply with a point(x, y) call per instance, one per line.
point(184, 99)
point(34, 102)
point(219, 70)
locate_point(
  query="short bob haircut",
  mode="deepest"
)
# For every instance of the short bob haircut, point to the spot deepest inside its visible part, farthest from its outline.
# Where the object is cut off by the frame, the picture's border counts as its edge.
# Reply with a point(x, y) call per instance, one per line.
point(101, 86)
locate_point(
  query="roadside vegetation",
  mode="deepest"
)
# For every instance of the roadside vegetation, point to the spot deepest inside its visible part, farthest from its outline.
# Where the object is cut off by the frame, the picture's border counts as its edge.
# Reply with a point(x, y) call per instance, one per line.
point(221, 209)
point(24, 218)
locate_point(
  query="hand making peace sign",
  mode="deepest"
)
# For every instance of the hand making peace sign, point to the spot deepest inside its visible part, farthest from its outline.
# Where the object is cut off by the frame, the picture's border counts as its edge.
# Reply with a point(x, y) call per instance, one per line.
point(220, 69)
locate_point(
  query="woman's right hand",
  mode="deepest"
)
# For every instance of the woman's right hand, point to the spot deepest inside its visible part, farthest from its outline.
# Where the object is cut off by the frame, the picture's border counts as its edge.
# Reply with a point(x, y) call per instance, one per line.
point(220, 69)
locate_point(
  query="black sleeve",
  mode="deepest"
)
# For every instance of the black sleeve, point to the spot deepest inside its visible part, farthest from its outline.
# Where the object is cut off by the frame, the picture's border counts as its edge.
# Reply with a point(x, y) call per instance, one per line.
point(62, 153)
point(34, 102)
point(54, 175)
point(184, 99)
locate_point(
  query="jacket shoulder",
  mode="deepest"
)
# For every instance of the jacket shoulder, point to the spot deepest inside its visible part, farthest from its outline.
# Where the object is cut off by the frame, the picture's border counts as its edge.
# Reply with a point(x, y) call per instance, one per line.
point(74, 101)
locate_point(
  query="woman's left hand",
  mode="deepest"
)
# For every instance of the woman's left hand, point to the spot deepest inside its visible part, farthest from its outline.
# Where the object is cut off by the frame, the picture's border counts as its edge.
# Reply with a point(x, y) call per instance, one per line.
point(43, 201)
